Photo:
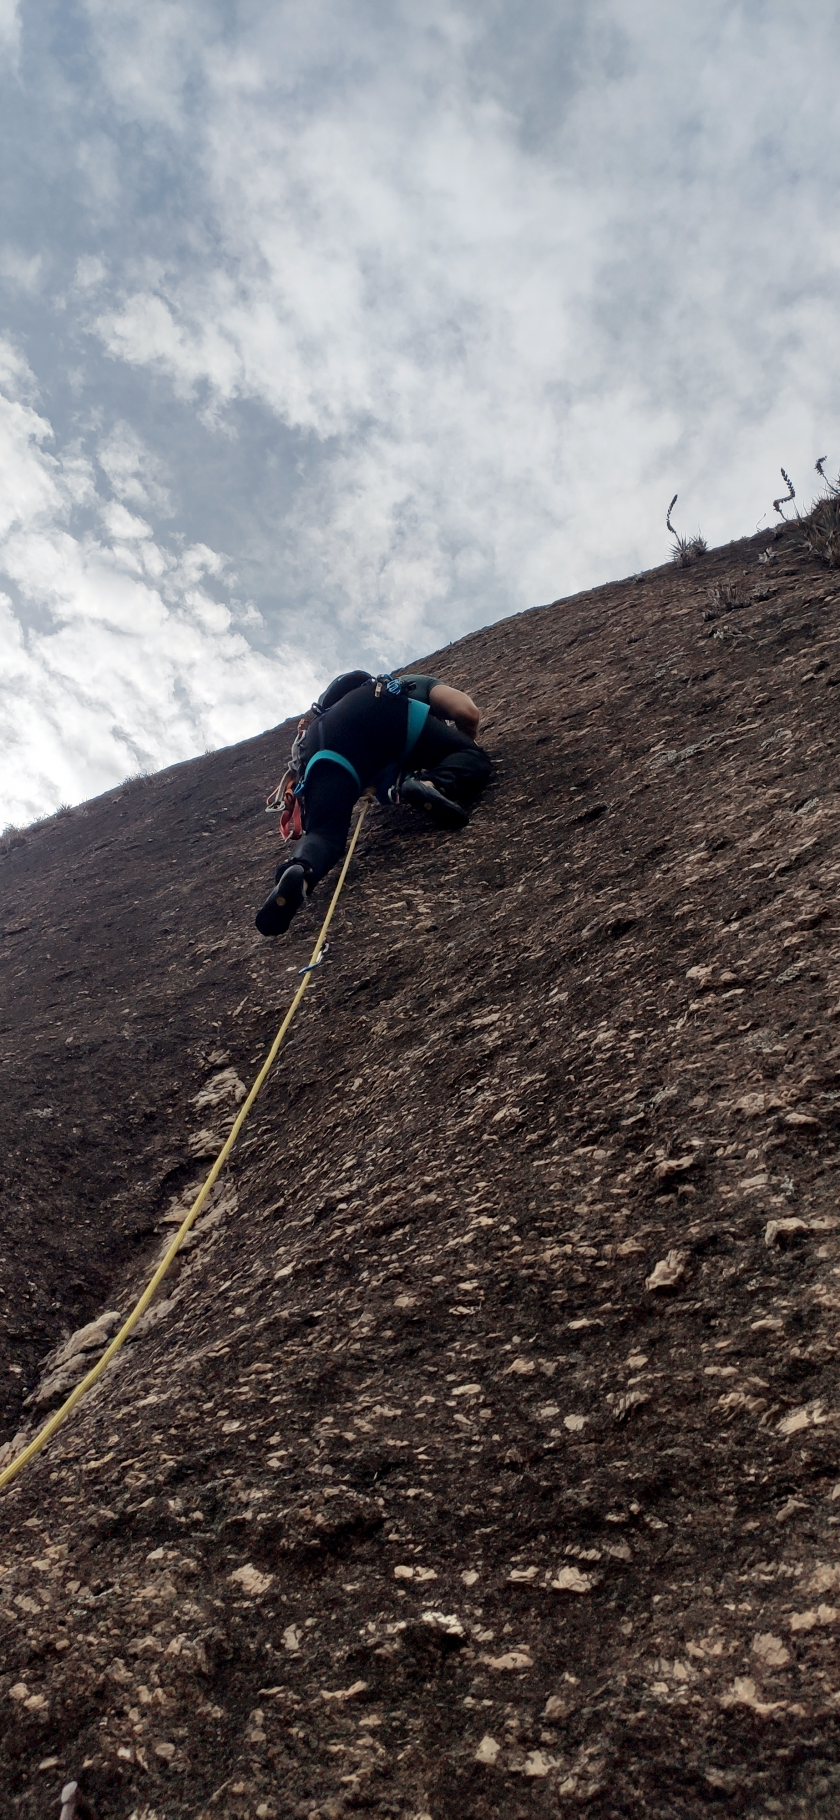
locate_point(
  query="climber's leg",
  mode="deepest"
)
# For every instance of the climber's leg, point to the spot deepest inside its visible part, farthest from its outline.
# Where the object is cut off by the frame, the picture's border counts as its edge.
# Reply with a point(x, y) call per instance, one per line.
point(330, 795)
point(447, 773)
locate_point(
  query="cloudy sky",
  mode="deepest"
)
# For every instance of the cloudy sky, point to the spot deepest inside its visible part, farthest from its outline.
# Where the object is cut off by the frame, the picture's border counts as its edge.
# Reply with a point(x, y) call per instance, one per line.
point(331, 331)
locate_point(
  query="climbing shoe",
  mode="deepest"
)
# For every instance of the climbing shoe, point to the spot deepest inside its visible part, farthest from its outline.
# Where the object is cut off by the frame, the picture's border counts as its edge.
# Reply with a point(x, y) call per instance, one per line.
point(282, 903)
point(419, 793)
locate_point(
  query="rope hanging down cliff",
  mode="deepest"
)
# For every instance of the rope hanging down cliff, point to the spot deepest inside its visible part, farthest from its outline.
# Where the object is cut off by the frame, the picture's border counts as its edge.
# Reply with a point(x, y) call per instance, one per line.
point(60, 1416)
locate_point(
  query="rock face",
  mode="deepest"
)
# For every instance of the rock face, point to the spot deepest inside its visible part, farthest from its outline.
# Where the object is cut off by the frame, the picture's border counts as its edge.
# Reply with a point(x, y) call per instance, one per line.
point(482, 1457)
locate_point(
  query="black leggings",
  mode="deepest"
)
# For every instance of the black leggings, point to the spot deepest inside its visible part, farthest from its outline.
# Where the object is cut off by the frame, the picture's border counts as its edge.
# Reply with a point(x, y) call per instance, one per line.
point(453, 761)
point(371, 733)
point(330, 795)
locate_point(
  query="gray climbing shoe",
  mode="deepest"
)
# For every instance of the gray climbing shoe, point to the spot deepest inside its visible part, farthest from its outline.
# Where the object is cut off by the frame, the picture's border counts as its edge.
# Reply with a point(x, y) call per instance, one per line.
point(419, 793)
point(282, 903)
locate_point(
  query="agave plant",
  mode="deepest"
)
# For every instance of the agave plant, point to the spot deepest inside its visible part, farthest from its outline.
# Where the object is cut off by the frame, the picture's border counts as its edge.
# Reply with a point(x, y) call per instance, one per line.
point(684, 550)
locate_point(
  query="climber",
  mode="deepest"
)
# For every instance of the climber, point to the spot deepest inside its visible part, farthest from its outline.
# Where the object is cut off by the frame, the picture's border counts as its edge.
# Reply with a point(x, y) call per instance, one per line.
point(362, 731)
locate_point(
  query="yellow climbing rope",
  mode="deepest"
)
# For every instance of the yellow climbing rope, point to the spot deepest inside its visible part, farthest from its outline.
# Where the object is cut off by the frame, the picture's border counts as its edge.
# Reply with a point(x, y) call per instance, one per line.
point(59, 1417)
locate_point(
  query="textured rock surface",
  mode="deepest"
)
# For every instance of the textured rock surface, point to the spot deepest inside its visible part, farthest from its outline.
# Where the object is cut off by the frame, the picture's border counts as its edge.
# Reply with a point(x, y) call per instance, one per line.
point(417, 1494)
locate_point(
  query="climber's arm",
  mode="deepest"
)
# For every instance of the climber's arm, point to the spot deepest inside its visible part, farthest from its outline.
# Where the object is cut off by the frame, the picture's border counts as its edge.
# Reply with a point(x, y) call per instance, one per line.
point(453, 704)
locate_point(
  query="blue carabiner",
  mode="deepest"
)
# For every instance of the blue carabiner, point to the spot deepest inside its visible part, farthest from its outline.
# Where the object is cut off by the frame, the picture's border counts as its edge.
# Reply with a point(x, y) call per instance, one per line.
point(316, 963)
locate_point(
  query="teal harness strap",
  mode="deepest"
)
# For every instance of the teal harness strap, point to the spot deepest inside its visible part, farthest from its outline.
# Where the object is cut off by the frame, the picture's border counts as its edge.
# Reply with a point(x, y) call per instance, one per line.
point(418, 712)
point(417, 715)
point(336, 758)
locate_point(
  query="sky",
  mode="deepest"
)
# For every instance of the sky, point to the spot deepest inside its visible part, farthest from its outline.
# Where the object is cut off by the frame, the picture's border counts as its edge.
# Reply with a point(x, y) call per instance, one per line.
point(331, 332)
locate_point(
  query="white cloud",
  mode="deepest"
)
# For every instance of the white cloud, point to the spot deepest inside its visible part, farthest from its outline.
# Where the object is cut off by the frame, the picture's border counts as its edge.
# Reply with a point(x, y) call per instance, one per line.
point(509, 355)
point(134, 471)
point(17, 269)
point(27, 484)
point(16, 376)
point(147, 52)
point(9, 29)
point(90, 272)
point(470, 290)
point(138, 664)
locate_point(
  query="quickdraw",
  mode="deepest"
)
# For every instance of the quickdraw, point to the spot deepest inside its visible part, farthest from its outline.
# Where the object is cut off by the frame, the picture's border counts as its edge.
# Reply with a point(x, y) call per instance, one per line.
point(286, 796)
point(322, 955)
point(286, 800)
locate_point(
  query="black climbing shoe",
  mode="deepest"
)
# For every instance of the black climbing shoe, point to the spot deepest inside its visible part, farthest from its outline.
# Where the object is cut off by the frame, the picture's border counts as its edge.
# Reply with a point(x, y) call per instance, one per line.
point(286, 898)
point(419, 793)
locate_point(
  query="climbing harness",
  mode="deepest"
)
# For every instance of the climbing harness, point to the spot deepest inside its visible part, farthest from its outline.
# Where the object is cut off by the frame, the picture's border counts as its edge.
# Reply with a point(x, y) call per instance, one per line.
point(288, 794)
point(418, 714)
point(60, 1416)
point(337, 758)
